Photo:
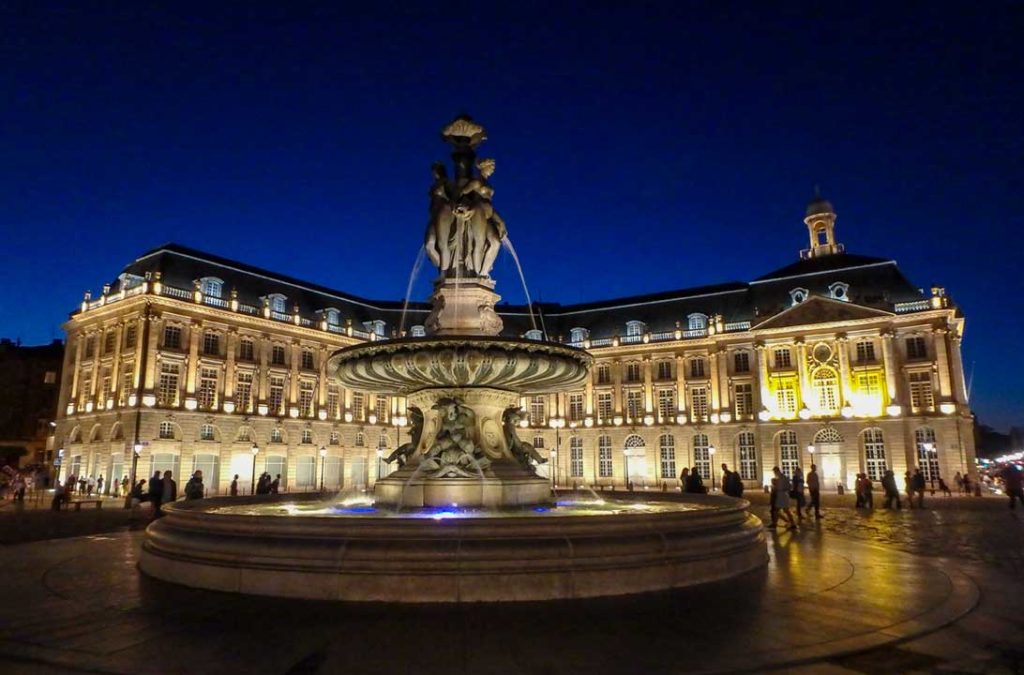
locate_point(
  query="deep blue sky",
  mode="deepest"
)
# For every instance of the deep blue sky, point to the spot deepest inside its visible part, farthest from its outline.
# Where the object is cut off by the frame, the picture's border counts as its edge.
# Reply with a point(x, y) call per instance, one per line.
point(639, 148)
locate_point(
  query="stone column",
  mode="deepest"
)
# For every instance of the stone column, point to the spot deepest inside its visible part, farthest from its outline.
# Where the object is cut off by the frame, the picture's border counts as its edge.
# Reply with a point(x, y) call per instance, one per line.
point(193, 357)
point(725, 400)
point(648, 386)
point(889, 363)
point(942, 364)
point(322, 379)
point(94, 384)
point(588, 394)
point(115, 366)
point(231, 344)
point(680, 385)
point(843, 347)
point(802, 374)
point(80, 338)
point(262, 390)
point(762, 375)
point(155, 330)
point(617, 386)
point(714, 381)
point(293, 375)
point(957, 367)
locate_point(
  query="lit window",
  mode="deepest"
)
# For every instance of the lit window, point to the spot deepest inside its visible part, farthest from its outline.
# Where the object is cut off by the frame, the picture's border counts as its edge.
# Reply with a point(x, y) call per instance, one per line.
point(576, 457)
point(783, 358)
point(604, 456)
point(874, 453)
point(207, 392)
point(333, 317)
point(785, 398)
point(306, 398)
point(635, 328)
point(243, 392)
point(634, 404)
point(921, 396)
point(604, 406)
point(381, 408)
point(927, 453)
point(211, 287)
point(575, 407)
point(826, 390)
point(333, 397)
point(307, 436)
point(418, 331)
point(206, 432)
point(699, 403)
point(697, 321)
point(167, 430)
point(537, 411)
point(744, 396)
point(275, 401)
point(789, 452)
point(747, 451)
point(839, 291)
point(741, 362)
point(666, 403)
point(702, 455)
point(167, 387)
point(278, 303)
point(578, 335)
point(667, 454)
point(358, 408)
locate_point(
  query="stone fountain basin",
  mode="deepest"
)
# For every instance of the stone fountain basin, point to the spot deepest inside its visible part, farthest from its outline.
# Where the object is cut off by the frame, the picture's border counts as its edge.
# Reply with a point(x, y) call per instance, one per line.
point(408, 364)
point(466, 559)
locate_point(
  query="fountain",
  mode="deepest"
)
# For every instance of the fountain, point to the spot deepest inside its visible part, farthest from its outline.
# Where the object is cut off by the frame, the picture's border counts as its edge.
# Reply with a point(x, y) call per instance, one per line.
point(465, 517)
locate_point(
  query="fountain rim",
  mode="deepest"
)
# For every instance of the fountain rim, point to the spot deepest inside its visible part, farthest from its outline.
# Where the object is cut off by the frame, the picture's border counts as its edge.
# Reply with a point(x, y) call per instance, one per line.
point(410, 343)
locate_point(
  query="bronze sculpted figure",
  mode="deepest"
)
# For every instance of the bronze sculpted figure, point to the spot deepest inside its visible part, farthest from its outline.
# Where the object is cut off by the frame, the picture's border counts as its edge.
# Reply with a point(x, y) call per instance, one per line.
point(441, 235)
point(454, 453)
point(521, 450)
point(403, 452)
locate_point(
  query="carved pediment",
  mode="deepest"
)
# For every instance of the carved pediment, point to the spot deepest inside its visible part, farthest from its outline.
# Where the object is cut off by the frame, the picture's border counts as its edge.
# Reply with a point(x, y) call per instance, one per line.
point(817, 309)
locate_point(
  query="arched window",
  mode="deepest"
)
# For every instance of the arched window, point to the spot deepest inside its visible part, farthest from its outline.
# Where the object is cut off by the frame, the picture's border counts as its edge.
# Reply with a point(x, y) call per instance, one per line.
point(94, 435)
point(874, 453)
point(825, 384)
point(278, 302)
point(702, 455)
point(604, 456)
point(207, 433)
point(927, 452)
point(697, 321)
point(534, 334)
point(839, 291)
point(667, 453)
point(576, 457)
point(798, 295)
point(75, 436)
point(211, 287)
point(746, 451)
point(167, 430)
point(333, 317)
point(244, 434)
point(335, 438)
point(827, 435)
point(789, 451)
point(382, 440)
point(117, 432)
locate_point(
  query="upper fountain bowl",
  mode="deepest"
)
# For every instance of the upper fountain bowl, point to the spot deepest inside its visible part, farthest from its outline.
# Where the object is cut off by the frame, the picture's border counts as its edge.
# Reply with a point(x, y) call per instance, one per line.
point(407, 365)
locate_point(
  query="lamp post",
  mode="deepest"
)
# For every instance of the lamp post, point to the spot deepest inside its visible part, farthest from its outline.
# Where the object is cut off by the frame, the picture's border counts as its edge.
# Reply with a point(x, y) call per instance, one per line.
point(380, 461)
point(255, 451)
point(625, 459)
point(136, 451)
point(556, 423)
point(323, 464)
point(554, 467)
point(711, 455)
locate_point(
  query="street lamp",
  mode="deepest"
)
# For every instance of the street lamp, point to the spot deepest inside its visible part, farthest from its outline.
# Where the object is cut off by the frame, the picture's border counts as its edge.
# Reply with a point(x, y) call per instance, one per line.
point(556, 423)
point(625, 459)
point(255, 451)
point(136, 451)
point(323, 463)
point(711, 454)
point(554, 467)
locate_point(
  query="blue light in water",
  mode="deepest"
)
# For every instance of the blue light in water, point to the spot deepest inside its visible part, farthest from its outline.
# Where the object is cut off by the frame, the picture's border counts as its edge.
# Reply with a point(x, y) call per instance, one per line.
point(541, 509)
point(357, 509)
point(441, 515)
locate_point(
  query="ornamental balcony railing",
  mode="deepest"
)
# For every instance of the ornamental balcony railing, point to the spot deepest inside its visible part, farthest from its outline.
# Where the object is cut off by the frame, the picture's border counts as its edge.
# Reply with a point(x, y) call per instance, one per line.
point(913, 306)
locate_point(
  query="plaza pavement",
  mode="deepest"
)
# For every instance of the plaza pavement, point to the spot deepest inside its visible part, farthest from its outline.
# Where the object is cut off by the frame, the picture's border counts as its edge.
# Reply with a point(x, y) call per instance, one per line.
point(938, 590)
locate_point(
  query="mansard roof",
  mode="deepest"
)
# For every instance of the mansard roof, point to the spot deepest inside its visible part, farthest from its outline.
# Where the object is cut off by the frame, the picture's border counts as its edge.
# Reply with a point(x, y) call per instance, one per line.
point(875, 283)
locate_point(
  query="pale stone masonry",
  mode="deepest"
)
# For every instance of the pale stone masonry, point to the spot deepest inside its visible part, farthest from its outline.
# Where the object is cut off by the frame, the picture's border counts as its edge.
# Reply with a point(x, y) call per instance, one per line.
point(200, 358)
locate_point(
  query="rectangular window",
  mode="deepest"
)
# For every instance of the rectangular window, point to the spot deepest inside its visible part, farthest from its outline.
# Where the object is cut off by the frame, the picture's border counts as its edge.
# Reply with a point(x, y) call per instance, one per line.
point(167, 388)
point(130, 335)
point(575, 407)
point(604, 457)
point(634, 404)
point(604, 406)
point(86, 393)
point(789, 452)
point(305, 473)
point(276, 399)
point(90, 347)
point(537, 411)
point(243, 392)
point(633, 372)
point(667, 455)
point(921, 396)
point(783, 358)
point(697, 368)
point(211, 343)
point(667, 404)
point(865, 352)
point(306, 399)
point(172, 337)
point(916, 348)
point(747, 456)
point(699, 403)
point(333, 396)
point(277, 355)
point(106, 386)
point(741, 362)
point(665, 370)
point(207, 392)
point(108, 342)
point(874, 453)
point(245, 350)
point(358, 409)
point(127, 382)
point(576, 457)
point(382, 409)
point(785, 398)
point(604, 374)
point(307, 359)
point(744, 395)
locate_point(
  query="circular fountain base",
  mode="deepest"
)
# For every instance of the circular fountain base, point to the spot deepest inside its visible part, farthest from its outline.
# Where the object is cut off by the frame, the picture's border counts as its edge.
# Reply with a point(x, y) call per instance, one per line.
point(216, 544)
point(503, 484)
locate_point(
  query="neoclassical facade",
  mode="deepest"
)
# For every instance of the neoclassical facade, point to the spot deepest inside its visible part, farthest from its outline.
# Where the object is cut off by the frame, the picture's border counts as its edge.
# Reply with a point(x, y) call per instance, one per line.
point(198, 362)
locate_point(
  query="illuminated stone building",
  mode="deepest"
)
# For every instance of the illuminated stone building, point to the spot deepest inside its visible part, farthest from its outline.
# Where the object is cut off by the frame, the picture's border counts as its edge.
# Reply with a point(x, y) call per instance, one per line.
point(196, 361)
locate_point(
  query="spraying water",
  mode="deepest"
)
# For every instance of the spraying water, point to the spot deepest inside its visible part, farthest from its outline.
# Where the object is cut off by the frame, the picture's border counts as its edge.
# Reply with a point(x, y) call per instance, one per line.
point(507, 243)
point(408, 289)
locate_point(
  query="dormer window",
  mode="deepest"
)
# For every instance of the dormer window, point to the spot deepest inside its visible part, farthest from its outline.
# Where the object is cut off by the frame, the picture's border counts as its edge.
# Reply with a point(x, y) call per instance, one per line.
point(278, 302)
point(578, 335)
point(376, 327)
point(418, 331)
point(534, 334)
point(211, 287)
point(697, 321)
point(839, 291)
point(635, 328)
point(798, 295)
point(129, 281)
point(333, 317)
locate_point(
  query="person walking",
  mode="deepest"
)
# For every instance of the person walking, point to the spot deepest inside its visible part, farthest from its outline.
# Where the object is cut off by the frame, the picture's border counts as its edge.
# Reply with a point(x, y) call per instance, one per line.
point(1013, 483)
point(958, 480)
point(275, 485)
point(908, 482)
point(194, 487)
point(169, 492)
point(891, 491)
point(684, 479)
point(156, 492)
point(869, 496)
point(234, 486)
point(90, 485)
point(814, 489)
point(917, 483)
point(124, 485)
point(138, 493)
point(732, 485)
point(99, 485)
point(797, 492)
point(781, 498)
point(943, 488)
point(695, 484)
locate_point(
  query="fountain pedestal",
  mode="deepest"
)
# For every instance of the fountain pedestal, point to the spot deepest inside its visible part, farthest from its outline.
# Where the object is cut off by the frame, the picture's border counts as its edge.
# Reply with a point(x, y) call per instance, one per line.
point(463, 307)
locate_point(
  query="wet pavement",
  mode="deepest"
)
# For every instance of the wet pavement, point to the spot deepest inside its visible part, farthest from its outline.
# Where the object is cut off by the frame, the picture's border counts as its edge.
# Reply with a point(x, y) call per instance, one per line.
point(938, 590)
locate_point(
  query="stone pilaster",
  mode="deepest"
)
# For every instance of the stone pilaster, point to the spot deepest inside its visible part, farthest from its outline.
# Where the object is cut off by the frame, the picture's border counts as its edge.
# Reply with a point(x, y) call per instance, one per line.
point(942, 364)
point(889, 363)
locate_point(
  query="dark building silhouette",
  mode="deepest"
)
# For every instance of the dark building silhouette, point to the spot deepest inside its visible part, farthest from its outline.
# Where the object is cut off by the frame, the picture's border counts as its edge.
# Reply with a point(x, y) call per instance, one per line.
point(29, 386)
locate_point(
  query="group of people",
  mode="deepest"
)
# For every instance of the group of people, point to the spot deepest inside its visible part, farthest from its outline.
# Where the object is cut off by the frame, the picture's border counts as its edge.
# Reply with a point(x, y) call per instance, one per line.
point(264, 486)
point(786, 490)
point(691, 482)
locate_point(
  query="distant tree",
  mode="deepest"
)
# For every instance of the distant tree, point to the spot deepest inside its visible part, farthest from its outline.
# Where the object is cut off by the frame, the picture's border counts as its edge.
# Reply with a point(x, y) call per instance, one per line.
point(10, 454)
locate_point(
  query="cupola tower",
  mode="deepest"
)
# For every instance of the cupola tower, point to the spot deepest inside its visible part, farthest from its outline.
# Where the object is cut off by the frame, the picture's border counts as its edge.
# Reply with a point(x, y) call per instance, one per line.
point(821, 228)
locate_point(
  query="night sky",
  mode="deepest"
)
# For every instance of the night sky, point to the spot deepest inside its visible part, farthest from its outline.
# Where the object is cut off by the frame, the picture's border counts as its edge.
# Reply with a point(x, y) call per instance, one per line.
point(640, 146)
